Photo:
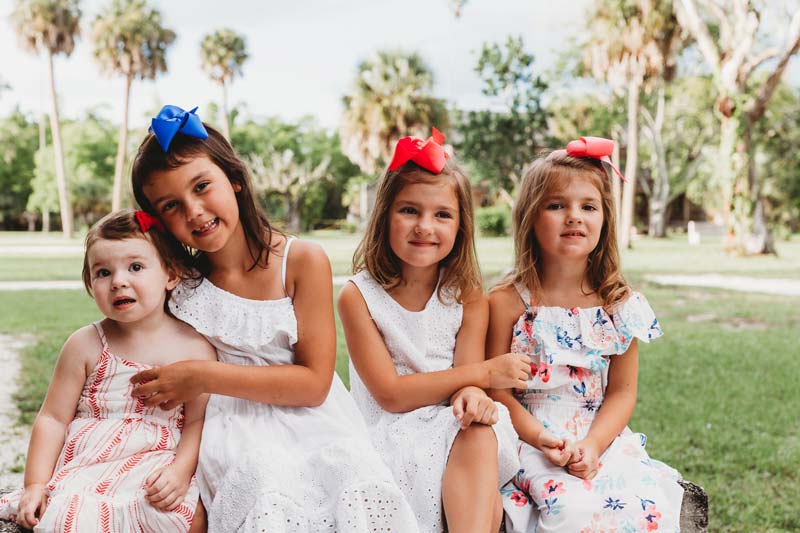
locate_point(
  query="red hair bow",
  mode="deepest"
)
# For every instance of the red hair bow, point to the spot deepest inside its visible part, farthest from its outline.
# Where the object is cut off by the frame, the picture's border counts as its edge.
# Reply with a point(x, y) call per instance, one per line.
point(429, 154)
point(595, 147)
point(147, 221)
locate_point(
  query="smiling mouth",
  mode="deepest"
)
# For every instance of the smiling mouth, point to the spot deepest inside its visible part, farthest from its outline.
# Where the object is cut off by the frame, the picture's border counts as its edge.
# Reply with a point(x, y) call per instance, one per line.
point(422, 243)
point(573, 234)
point(208, 226)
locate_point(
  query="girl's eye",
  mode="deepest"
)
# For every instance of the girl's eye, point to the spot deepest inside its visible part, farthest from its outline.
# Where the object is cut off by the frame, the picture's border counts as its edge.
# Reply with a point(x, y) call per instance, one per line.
point(169, 205)
point(101, 273)
point(444, 214)
point(201, 186)
point(590, 207)
point(136, 267)
point(554, 206)
point(408, 210)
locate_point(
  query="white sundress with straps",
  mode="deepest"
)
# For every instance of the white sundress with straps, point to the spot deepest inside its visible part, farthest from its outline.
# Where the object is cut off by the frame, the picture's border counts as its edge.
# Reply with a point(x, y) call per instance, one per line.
point(280, 468)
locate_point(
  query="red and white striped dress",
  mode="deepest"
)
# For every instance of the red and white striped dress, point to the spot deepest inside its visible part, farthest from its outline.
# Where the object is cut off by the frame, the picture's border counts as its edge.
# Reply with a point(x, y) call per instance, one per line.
point(114, 443)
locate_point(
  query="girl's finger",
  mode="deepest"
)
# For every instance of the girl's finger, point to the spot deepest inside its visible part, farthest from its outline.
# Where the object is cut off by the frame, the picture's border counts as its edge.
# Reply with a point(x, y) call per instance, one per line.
point(175, 504)
point(458, 408)
point(145, 376)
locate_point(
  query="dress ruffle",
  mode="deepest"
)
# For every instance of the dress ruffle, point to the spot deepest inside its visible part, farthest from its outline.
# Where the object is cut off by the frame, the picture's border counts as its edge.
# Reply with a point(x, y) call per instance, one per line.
point(584, 337)
point(243, 322)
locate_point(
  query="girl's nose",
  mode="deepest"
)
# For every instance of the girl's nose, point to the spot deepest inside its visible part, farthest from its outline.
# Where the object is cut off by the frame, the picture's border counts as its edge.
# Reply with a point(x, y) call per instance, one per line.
point(194, 210)
point(574, 216)
point(119, 280)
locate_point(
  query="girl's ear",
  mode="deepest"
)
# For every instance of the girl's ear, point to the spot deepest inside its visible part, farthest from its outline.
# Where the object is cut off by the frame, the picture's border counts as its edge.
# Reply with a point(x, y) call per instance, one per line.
point(237, 187)
point(173, 280)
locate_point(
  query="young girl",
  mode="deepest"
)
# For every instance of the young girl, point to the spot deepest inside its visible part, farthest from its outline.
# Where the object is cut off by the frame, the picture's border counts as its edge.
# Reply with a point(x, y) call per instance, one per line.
point(284, 447)
point(415, 320)
point(99, 459)
point(567, 305)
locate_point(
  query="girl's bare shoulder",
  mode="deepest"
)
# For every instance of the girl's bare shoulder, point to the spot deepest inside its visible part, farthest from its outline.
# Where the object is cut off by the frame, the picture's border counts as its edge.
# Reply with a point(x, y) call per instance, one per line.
point(189, 343)
point(505, 303)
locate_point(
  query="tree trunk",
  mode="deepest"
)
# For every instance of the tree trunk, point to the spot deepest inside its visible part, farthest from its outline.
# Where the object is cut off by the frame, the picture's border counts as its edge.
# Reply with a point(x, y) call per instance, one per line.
point(293, 222)
point(226, 119)
point(61, 179)
point(122, 148)
point(631, 164)
point(45, 221)
point(616, 183)
point(726, 173)
point(659, 199)
point(753, 236)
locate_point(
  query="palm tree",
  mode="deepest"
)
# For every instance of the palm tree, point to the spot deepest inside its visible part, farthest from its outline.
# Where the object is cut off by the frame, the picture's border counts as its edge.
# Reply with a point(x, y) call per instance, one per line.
point(392, 98)
point(130, 40)
point(625, 50)
point(223, 53)
point(51, 26)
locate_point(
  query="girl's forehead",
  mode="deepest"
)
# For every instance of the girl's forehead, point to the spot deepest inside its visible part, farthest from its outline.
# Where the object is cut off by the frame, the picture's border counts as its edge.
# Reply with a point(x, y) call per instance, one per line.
point(574, 182)
point(111, 248)
point(439, 189)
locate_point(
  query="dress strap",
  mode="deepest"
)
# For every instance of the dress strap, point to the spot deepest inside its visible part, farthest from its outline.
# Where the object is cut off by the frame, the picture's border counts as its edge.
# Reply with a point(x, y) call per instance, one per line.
point(283, 263)
point(101, 334)
point(524, 294)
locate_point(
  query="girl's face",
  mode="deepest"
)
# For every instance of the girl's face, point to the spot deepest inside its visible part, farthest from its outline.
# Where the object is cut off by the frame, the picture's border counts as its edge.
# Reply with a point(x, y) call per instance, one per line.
point(128, 280)
point(196, 202)
point(423, 223)
point(570, 220)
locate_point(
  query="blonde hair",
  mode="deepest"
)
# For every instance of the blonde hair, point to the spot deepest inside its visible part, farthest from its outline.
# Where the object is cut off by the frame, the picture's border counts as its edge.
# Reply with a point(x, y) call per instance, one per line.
point(542, 177)
point(460, 273)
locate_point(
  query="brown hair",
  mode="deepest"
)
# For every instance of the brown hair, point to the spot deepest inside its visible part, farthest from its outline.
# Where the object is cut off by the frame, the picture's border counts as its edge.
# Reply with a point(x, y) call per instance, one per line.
point(542, 177)
point(460, 272)
point(121, 225)
point(183, 148)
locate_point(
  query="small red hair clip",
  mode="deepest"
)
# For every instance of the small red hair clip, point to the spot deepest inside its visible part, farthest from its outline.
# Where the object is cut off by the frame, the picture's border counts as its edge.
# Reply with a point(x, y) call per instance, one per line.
point(594, 147)
point(429, 154)
point(147, 221)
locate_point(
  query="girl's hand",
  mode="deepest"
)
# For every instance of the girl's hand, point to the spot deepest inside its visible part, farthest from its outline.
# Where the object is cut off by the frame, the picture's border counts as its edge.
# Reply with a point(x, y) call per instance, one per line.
point(166, 487)
point(558, 451)
point(32, 505)
point(168, 386)
point(508, 371)
point(586, 462)
point(471, 405)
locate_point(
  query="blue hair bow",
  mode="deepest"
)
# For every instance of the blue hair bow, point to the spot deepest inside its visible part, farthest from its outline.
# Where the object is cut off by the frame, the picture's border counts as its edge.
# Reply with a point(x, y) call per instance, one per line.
point(171, 120)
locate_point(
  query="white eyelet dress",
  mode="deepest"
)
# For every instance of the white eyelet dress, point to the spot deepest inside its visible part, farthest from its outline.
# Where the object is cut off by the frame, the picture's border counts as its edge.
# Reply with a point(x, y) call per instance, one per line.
point(416, 444)
point(276, 468)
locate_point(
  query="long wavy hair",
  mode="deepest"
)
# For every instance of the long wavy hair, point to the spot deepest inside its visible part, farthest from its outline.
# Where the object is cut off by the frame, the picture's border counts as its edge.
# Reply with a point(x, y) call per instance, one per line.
point(543, 177)
point(460, 273)
point(151, 158)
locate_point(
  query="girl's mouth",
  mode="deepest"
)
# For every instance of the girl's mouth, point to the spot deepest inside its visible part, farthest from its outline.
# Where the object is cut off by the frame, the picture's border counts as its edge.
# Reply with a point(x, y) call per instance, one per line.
point(206, 228)
point(573, 234)
point(122, 303)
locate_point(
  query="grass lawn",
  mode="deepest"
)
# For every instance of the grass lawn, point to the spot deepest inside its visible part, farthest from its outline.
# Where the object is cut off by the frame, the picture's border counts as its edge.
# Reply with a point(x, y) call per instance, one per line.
point(715, 394)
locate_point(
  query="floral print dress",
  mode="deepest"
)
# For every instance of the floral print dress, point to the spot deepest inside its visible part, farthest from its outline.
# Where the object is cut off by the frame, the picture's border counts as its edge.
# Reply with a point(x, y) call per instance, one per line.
point(570, 351)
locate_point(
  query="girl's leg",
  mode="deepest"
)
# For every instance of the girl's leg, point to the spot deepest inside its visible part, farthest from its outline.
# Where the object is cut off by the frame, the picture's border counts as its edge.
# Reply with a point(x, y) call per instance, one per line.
point(199, 524)
point(497, 517)
point(470, 480)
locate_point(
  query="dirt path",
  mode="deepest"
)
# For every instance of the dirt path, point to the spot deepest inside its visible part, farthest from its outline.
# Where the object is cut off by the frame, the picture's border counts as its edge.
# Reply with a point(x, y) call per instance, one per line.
point(13, 438)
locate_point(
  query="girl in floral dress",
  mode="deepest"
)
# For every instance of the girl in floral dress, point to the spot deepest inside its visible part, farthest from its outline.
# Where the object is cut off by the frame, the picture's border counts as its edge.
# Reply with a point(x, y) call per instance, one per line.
point(567, 306)
point(99, 459)
point(415, 319)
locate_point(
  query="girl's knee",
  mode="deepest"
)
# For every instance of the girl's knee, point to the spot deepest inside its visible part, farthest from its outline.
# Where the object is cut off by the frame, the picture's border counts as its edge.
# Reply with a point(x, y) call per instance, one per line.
point(478, 438)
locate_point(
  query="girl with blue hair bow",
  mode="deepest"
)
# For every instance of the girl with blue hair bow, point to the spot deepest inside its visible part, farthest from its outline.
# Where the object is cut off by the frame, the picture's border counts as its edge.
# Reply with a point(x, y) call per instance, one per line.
point(284, 447)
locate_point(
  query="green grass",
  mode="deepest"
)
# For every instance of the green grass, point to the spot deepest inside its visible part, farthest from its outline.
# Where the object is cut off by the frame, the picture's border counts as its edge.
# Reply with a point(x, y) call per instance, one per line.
point(717, 394)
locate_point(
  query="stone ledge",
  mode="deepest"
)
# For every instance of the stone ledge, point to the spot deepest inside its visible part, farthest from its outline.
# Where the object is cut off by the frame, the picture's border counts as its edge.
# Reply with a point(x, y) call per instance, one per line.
point(694, 511)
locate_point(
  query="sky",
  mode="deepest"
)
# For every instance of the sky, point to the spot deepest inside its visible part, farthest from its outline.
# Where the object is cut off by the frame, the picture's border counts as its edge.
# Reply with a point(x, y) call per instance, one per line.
point(303, 54)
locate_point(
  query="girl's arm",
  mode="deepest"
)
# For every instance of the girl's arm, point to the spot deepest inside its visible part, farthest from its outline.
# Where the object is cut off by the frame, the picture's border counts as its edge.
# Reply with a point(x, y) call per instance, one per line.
point(166, 487)
point(304, 383)
point(55, 415)
point(614, 414)
point(505, 308)
point(398, 394)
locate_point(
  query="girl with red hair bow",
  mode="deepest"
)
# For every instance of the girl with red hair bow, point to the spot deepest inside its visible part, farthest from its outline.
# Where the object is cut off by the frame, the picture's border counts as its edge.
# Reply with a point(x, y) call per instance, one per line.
point(98, 459)
point(415, 318)
point(567, 306)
